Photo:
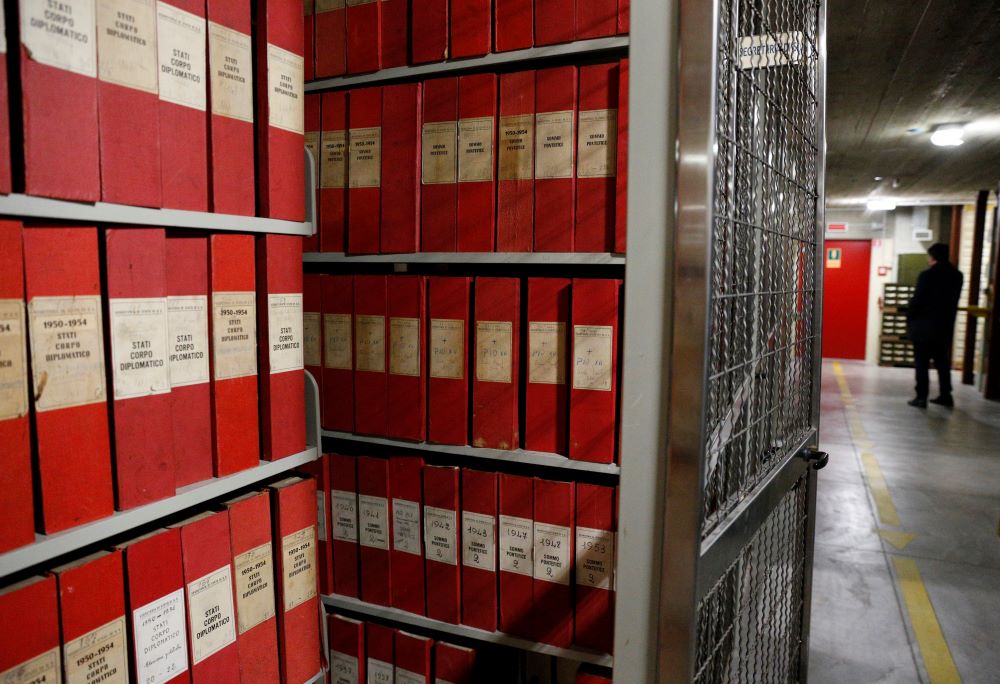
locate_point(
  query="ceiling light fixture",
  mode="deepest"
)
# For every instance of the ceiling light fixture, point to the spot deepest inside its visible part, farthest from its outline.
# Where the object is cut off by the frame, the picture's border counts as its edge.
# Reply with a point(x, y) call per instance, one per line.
point(948, 135)
point(880, 205)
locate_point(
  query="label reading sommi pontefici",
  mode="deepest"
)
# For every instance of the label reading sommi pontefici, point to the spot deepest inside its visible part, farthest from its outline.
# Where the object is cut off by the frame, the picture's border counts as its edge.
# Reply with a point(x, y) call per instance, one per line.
point(595, 557)
point(160, 639)
point(67, 351)
point(552, 553)
point(299, 552)
point(516, 543)
point(100, 655)
point(406, 526)
point(479, 541)
point(284, 332)
point(373, 521)
point(344, 509)
point(440, 535)
point(210, 612)
point(13, 360)
point(254, 587)
point(234, 334)
point(139, 347)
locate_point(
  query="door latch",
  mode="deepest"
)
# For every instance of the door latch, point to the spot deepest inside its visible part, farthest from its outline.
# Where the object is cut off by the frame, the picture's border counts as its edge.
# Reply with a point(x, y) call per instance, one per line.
point(819, 459)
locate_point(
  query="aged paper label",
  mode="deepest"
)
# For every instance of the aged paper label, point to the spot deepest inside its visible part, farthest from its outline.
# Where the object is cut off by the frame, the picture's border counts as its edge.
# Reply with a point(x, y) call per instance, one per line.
point(100, 655)
point(187, 325)
point(285, 90)
point(404, 346)
point(312, 139)
point(312, 338)
point(374, 521)
point(126, 43)
point(210, 613)
point(181, 50)
point(234, 334)
point(254, 587)
point(595, 557)
point(440, 536)
point(355, 3)
point(67, 351)
point(60, 34)
point(333, 159)
point(370, 342)
point(768, 51)
point(592, 368)
point(475, 149)
point(365, 157)
point(547, 352)
point(554, 142)
point(284, 332)
point(552, 553)
point(479, 541)
point(343, 668)
point(139, 347)
point(380, 672)
point(321, 526)
point(230, 60)
point(517, 147)
point(299, 581)
point(517, 541)
point(447, 348)
point(160, 639)
point(494, 351)
point(597, 144)
point(407, 677)
point(337, 347)
point(345, 515)
point(329, 5)
point(13, 360)
point(438, 144)
point(406, 526)
point(41, 668)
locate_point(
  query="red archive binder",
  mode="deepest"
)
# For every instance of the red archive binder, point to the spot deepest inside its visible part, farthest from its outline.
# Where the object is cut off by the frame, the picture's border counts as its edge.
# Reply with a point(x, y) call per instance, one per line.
point(495, 382)
point(596, 159)
point(347, 650)
point(593, 675)
point(395, 32)
point(477, 125)
point(621, 179)
point(448, 384)
point(555, 143)
point(374, 531)
point(546, 395)
point(595, 567)
point(364, 36)
point(364, 170)
point(516, 548)
point(439, 166)
point(401, 167)
point(515, 162)
point(623, 16)
point(344, 523)
point(406, 386)
point(407, 554)
point(414, 658)
point(29, 612)
point(313, 136)
point(479, 549)
point(309, 39)
point(189, 352)
point(331, 38)
point(63, 291)
point(320, 472)
point(338, 352)
point(552, 592)
point(596, 18)
point(381, 653)
point(332, 202)
point(454, 664)
point(429, 31)
point(370, 354)
point(442, 539)
point(513, 24)
point(312, 327)
point(471, 29)
point(555, 21)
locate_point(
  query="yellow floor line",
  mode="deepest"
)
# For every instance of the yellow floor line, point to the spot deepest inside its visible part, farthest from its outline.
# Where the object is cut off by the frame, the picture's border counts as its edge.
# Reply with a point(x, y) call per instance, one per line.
point(933, 647)
point(880, 491)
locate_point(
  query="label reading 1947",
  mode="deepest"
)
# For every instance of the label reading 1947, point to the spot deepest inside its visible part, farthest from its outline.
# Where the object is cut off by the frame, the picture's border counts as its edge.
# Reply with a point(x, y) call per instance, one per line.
point(13, 360)
point(139, 347)
point(234, 334)
point(284, 332)
point(254, 587)
point(516, 544)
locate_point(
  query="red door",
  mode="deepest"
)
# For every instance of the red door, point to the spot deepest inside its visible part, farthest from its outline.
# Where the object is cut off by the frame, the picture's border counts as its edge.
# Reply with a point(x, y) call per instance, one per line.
point(845, 298)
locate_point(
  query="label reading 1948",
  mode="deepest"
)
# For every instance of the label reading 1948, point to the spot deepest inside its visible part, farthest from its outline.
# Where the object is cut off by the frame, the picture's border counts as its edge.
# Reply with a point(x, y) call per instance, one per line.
point(440, 535)
point(479, 541)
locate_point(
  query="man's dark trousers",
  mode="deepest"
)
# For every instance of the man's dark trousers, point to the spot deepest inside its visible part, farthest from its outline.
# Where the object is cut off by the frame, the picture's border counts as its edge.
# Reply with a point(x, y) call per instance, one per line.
point(928, 346)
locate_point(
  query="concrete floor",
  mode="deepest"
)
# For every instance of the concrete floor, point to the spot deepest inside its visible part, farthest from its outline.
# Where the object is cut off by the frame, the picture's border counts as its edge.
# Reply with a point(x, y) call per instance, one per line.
point(933, 474)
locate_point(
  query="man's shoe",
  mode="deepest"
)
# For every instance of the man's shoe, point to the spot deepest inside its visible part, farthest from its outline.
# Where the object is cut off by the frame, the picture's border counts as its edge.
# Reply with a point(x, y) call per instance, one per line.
point(918, 402)
point(944, 400)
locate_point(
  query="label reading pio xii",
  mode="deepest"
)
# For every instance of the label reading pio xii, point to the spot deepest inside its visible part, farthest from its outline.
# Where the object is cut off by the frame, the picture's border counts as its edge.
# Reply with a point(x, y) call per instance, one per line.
point(447, 348)
point(592, 347)
point(370, 340)
point(404, 346)
point(337, 341)
point(547, 352)
point(312, 338)
point(494, 351)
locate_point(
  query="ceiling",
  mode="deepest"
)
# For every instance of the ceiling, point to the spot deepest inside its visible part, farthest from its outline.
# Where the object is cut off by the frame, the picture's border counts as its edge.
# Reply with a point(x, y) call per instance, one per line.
point(895, 70)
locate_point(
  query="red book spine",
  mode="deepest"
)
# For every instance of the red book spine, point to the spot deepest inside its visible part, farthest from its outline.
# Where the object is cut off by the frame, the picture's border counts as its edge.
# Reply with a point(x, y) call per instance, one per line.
point(477, 125)
point(588, 675)
point(596, 18)
point(16, 499)
point(515, 547)
point(364, 36)
point(374, 531)
point(294, 502)
point(414, 658)
point(63, 284)
point(406, 383)
point(545, 394)
point(312, 326)
point(596, 159)
point(407, 554)
point(187, 325)
point(231, 124)
point(313, 137)
point(595, 567)
point(29, 613)
point(621, 179)
point(282, 391)
point(347, 650)
point(137, 353)
point(92, 618)
point(495, 380)
point(516, 162)
point(448, 384)
point(58, 74)
point(479, 550)
point(471, 29)
point(309, 39)
point(395, 32)
point(180, 30)
point(381, 654)
point(401, 167)
point(344, 523)
point(332, 159)
point(439, 166)
point(320, 471)
point(442, 540)
point(235, 434)
point(253, 569)
point(364, 170)
point(555, 21)
point(623, 17)
point(555, 147)
point(154, 576)
point(551, 589)
point(331, 38)
point(280, 94)
point(454, 664)
point(337, 402)
point(594, 393)
point(211, 613)
point(513, 24)
point(429, 31)
point(370, 354)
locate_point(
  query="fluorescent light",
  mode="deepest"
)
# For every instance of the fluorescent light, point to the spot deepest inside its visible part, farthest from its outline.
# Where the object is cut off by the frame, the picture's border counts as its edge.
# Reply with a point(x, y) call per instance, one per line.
point(881, 205)
point(948, 135)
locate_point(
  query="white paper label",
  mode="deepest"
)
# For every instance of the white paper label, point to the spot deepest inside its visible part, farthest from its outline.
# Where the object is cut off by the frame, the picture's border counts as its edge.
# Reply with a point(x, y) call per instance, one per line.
point(284, 332)
point(597, 144)
point(406, 526)
point(230, 60)
point(234, 334)
point(285, 90)
point(337, 341)
point(160, 639)
point(180, 44)
point(404, 346)
point(554, 144)
point(494, 360)
point(210, 613)
point(254, 587)
point(438, 144)
point(516, 545)
point(595, 557)
point(447, 348)
point(139, 347)
point(67, 351)
point(592, 363)
point(345, 516)
point(373, 512)
point(380, 672)
point(321, 528)
point(370, 340)
point(126, 43)
point(60, 34)
point(517, 146)
point(299, 549)
point(364, 160)
point(768, 51)
point(312, 338)
point(3, 31)
point(479, 541)
point(100, 655)
point(333, 159)
point(440, 536)
point(407, 677)
point(552, 553)
point(343, 668)
point(41, 668)
point(547, 353)
point(475, 149)
point(187, 322)
point(13, 360)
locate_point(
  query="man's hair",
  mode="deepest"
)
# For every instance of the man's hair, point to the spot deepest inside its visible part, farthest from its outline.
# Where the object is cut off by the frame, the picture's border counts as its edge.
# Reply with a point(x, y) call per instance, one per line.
point(939, 252)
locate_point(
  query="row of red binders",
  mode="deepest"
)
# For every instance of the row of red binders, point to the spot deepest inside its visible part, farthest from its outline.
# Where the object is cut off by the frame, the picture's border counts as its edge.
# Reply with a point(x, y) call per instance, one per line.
point(367, 35)
point(526, 556)
point(160, 104)
point(520, 162)
point(454, 360)
point(154, 360)
point(229, 595)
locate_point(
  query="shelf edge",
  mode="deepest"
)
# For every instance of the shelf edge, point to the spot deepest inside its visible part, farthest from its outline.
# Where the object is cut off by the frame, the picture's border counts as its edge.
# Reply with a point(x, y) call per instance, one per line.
point(519, 258)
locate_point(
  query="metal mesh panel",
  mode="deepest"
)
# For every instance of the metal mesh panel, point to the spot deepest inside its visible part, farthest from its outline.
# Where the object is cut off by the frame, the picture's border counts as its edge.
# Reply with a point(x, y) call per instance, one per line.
point(749, 624)
point(766, 193)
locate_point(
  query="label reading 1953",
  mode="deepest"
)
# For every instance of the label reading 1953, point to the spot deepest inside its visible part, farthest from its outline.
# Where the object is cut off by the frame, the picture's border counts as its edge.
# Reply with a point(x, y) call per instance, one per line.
point(595, 557)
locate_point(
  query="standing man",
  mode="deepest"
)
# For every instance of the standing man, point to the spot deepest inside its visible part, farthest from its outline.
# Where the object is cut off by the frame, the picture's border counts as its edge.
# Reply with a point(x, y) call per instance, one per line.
point(930, 322)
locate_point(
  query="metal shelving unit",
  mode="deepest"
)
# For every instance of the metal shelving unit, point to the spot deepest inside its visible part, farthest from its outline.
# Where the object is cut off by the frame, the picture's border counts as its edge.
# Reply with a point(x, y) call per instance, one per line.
point(531, 258)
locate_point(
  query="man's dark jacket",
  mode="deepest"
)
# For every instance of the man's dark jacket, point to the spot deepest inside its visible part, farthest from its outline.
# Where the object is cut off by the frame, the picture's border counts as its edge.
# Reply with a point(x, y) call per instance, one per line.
point(932, 311)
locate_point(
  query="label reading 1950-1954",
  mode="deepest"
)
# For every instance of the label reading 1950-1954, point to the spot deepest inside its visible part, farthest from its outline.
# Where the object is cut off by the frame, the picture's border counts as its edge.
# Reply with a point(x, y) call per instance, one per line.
point(67, 351)
point(234, 334)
